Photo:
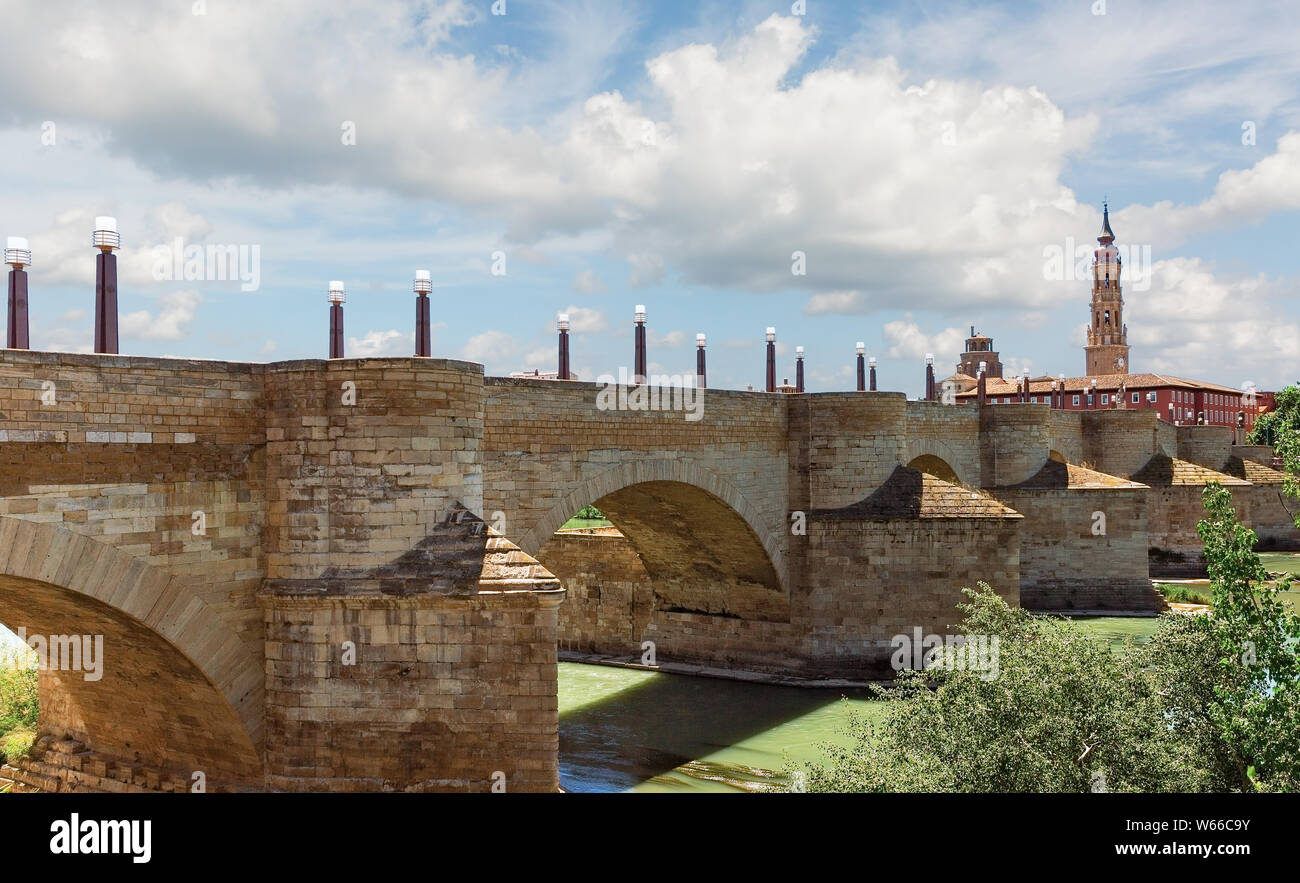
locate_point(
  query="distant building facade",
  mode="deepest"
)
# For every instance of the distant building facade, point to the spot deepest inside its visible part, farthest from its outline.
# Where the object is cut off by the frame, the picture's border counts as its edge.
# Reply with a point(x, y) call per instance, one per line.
point(1108, 381)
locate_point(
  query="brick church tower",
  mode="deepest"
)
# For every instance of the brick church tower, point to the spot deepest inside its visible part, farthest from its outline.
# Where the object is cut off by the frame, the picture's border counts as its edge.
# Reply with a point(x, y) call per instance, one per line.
point(1107, 348)
point(979, 349)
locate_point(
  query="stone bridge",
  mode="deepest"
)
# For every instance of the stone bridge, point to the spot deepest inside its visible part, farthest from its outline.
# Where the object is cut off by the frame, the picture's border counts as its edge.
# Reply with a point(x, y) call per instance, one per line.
point(346, 575)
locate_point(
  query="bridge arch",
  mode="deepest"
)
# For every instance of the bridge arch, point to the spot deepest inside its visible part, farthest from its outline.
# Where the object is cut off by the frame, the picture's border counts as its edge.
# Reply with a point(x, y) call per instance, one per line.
point(708, 491)
point(179, 689)
point(931, 454)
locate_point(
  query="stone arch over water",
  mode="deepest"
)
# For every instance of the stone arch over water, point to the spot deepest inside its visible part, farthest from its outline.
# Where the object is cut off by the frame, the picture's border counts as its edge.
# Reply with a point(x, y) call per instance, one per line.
point(938, 459)
point(691, 529)
point(178, 689)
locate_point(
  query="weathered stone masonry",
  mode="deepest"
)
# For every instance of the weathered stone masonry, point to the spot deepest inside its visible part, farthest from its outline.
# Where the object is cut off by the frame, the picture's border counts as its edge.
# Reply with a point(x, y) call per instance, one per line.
point(296, 587)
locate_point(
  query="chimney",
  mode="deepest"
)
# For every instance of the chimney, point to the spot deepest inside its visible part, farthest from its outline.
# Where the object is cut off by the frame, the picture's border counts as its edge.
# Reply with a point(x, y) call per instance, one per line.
point(336, 320)
point(638, 369)
point(106, 239)
point(929, 377)
point(699, 361)
point(17, 256)
point(422, 286)
point(798, 369)
point(562, 326)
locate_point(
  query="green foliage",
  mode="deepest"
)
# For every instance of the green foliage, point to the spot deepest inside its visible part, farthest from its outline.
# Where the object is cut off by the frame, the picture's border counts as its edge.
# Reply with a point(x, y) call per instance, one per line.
point(1287, 446)
point(16, 743)
point(1183, 594)
point(590, 513)
point(1285, 417)
point(18, 701)
point(1208, 705)
point(1257, 688)
point(1064, 714)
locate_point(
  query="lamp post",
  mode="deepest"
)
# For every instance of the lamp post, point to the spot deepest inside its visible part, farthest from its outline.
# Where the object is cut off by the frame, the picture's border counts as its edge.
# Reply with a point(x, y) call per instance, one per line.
point(862, 371)
point(929, 377)
point(871, 362)
point(17, 256)
point(335, 298)
point(105, 238)
point(980, 385)
point(1024, 390)
point(638, 368)
point(798, 369)
point(422, 286)
point(771, 359)
point(700, 378)
point(562, 329)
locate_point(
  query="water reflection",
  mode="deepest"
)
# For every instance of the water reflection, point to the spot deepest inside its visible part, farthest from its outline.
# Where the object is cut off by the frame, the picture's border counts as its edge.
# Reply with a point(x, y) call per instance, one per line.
point(630, 730)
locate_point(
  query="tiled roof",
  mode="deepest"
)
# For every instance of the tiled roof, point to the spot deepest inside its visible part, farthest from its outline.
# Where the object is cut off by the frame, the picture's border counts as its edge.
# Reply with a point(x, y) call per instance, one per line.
point(1255, 473)
point(912, 494)
point(1164, 471)
point(1058, 475)
point(1105, 383)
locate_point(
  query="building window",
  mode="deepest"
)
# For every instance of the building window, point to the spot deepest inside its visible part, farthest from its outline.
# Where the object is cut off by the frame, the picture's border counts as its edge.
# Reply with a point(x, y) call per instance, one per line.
point(1076, 401)
point(1136, 396)
point(1089, 400)
point(1105, 398)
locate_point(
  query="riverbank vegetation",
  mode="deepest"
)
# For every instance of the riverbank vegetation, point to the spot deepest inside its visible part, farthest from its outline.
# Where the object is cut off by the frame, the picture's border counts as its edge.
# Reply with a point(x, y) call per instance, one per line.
point(587, 516)
point(1180, 594)
point(1209, 704)
point(18, 703)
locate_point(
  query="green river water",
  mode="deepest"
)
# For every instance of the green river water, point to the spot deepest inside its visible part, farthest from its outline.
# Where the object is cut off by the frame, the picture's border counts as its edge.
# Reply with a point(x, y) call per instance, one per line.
point(628, 730)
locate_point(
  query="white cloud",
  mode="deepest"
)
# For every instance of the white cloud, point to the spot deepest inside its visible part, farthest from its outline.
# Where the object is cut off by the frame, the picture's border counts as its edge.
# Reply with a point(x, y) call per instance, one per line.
point(495, 347)
point(584, 320)
point(1241, 196)
point(1194, 323)
point(587, 282)
point(169, 322)
point(910, 342)
point(646, 269)
point(672, 340)
point(381, 343)
point(836, 302)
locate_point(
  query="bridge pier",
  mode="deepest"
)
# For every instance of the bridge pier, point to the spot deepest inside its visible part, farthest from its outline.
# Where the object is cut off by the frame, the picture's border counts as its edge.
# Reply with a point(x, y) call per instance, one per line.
point(426, 693)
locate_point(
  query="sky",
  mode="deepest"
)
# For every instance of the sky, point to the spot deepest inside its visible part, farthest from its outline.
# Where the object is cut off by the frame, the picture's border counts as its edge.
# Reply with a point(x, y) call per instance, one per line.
point(920, 162)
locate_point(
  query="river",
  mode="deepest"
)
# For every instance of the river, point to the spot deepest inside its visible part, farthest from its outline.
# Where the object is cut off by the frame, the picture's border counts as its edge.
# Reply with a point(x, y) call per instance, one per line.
point(629, 730)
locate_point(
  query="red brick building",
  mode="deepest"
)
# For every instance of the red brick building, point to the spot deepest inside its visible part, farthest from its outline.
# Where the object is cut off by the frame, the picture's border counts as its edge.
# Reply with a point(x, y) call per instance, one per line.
point(1176, 399)
point(1108, 383)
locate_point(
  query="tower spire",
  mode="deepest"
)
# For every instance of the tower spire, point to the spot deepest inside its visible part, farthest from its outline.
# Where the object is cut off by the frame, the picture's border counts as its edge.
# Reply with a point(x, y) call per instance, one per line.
point(1107, 236)
point(1107, 349)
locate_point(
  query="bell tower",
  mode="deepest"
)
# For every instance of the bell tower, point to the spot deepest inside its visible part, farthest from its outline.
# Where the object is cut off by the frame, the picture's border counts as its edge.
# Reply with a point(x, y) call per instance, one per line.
point(1107, 348)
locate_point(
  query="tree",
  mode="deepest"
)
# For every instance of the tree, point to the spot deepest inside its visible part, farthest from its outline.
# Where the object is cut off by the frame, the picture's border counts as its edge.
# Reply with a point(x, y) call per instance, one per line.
point(1210, 704)
point(1285, 417)
point(1257, 707)
point(1288, 448)
point(1064, 714)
